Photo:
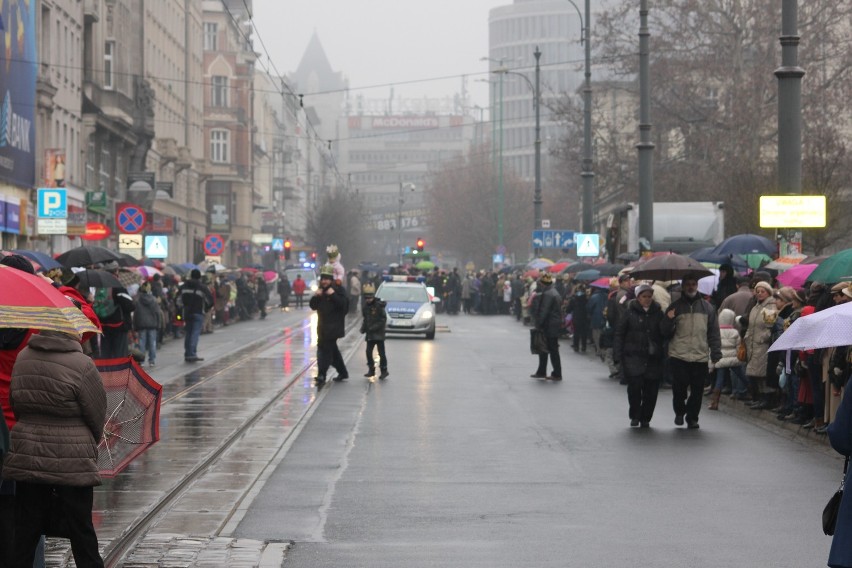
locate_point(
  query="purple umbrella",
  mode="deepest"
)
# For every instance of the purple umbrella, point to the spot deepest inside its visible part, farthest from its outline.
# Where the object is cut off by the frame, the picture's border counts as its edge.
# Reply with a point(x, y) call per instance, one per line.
point(796, 276)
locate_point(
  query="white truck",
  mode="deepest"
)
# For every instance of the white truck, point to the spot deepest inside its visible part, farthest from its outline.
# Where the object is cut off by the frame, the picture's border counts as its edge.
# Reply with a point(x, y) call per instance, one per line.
point(679, 226)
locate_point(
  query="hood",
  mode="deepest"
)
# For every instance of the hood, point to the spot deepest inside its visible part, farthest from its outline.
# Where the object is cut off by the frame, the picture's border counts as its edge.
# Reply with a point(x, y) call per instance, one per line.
point(726, 318)
point(49, 340)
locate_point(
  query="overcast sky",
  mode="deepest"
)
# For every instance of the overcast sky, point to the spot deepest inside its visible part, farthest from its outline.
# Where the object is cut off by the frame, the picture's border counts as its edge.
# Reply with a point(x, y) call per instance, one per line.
point(377, 42)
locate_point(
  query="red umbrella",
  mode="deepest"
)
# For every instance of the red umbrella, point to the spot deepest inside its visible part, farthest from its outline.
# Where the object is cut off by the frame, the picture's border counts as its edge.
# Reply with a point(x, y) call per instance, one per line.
point(531, 273)
point(133, 414)
point(558, 267)
point(270, 276)
point(249, 269)
point(29, 301)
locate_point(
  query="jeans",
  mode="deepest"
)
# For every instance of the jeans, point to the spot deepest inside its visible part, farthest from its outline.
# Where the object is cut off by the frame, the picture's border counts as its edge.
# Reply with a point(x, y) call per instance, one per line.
point(739, 383)
point(148, 343)
point(192, 333)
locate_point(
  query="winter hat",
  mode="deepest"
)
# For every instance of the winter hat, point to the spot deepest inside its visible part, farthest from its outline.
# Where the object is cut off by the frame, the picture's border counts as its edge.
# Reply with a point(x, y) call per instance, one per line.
point(332, 252)
point(19, 262)
point(786, 294)
point(624, 277)
point(195, 274)
point(327, 271)
point(368, 289)
point(643, 288)
point(763, 285)
point(546, 278)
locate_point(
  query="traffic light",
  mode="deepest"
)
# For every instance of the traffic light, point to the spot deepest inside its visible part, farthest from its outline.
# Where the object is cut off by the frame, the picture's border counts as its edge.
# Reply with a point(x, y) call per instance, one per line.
point(287, 247)
point(313, 256)
point(420, 245)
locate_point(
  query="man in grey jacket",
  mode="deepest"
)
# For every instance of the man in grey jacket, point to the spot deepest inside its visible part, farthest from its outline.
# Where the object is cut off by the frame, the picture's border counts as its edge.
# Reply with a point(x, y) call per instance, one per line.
point(693, 332)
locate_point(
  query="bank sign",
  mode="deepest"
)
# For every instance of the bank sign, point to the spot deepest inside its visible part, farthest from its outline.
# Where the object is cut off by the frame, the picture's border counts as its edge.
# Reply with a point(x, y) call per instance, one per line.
point(18, 70)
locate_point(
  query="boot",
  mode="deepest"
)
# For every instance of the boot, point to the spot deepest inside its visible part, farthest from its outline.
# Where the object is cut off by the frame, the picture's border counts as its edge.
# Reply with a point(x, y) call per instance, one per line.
point(714, 400)
point(370, 373)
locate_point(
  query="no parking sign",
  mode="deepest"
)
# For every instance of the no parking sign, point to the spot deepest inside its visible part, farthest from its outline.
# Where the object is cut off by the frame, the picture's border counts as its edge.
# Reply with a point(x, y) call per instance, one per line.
point(130, 219)
point(214, 245)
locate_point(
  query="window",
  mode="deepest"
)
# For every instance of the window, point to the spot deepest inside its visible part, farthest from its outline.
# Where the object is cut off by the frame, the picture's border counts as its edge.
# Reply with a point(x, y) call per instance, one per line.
point(105, 167)
point(211, 31)
point(109, 69)
point(219, 150)
point(219, 96)
point(90, 165)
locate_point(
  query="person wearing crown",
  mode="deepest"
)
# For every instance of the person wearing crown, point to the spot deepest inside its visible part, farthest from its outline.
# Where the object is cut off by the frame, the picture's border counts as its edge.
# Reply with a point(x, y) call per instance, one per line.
point(334, 260)
point(373, 326)
point(331, 305)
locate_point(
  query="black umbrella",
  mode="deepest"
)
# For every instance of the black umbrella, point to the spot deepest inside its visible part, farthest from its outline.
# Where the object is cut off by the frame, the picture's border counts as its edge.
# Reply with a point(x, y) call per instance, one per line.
point(87, 255)
point(608, 269)
point(127, 260)
point(578, 267)
point(669, 267)
point(98, 279)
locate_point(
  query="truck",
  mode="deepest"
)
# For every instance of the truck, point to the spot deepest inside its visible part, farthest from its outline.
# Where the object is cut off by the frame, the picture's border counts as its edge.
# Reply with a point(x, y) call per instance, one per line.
point(679, 226)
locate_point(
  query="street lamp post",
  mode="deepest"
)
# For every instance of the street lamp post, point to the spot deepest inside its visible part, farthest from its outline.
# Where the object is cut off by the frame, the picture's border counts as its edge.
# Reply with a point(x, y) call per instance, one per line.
point(500, 198)
point(402, 186)
point(645, 146)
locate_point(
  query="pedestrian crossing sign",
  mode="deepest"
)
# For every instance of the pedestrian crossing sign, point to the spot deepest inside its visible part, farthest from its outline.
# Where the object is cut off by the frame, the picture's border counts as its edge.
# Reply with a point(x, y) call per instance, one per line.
point(588, 245)
point(156, 246)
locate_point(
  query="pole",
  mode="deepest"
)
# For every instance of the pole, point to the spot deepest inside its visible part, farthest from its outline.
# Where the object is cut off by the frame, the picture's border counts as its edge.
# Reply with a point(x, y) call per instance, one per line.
point(789, 103)
point(537, 102)
point(645, 146)
point(588, 174)
point(500, 173)
point(399, 227)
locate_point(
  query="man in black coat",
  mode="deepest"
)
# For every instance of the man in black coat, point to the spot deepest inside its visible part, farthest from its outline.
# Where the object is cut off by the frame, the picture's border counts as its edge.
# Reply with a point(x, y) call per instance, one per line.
point(331, 305)
point(194, 299)
point(547, 315)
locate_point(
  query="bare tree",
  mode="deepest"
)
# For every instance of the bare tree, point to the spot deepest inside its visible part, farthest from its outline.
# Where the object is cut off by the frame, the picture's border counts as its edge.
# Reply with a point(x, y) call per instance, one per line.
point(339, 219)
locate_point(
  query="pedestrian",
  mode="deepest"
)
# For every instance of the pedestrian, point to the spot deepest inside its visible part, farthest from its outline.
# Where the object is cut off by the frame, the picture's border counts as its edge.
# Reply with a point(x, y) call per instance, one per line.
point(332, 305)
point(262, 294)
point(693, 332)
point(299, 291)
point(223, 297)
point(114, 307)
point(726, 286)
point(466, 293)
point(597, 320)
point(579, 310)
point(840, 436)
point(546, 313)
point(638, 348)
point(59, 400)
point(373, 325)
point(284, 290)
point(729, 339)
point(147, 319)
point(194, 301)
point(354, 291)
point(759, 322)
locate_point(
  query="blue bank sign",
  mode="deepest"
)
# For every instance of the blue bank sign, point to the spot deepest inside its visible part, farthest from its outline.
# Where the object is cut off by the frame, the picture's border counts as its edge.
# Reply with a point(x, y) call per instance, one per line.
point(17, 93)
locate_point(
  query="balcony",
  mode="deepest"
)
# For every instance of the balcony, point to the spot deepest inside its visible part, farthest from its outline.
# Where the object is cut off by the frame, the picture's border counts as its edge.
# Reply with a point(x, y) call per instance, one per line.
point(91, 11)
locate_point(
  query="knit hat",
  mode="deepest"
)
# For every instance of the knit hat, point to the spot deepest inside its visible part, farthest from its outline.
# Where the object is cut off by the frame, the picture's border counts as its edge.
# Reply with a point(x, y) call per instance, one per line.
point(195, 274)
point(368, 289)
point(763, 285)
point(624, 277)
point(327, 271)
point(546, 278)
point(643, 288)
point(332, 251)
point(787, 294)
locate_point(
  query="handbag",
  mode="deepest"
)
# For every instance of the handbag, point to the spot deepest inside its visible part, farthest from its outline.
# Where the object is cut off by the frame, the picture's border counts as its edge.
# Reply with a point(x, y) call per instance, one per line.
point(742, 353)
point(832, 508)
point(538, 343)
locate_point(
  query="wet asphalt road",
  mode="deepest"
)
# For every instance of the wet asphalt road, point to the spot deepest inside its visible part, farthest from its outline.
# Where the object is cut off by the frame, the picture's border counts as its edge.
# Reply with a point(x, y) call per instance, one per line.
point(460, 460)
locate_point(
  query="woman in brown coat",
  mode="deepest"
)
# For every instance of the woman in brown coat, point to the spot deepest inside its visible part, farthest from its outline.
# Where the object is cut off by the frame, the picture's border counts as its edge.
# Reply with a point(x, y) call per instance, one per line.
point(58, 398)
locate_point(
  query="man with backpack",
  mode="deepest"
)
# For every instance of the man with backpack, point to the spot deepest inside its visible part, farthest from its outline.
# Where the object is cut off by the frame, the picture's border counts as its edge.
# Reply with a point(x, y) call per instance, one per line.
point(114, 307)
point(195, 301)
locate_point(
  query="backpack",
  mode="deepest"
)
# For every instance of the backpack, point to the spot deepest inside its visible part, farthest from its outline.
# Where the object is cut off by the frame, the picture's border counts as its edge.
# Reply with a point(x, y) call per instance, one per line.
point(104, 303)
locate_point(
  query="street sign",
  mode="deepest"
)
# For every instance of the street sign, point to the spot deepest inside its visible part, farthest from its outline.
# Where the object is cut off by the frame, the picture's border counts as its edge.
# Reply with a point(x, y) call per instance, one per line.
point(545, 223)
point(214, 245)
point(126, 242)
point(588, 245)
point(213, 259)
point(52, 226)
point(52, 203)
point(156, 246)
point(553, 239)
point(130, 218)
point(277, 244)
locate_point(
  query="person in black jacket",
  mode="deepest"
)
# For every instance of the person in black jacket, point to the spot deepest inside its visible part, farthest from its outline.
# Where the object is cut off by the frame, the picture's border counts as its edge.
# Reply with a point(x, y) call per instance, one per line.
point(114, 307)
point(639, 349)
point(262, 294)
point(195, 299)
point(547, 316)
point(331, 305)
point(374, 325)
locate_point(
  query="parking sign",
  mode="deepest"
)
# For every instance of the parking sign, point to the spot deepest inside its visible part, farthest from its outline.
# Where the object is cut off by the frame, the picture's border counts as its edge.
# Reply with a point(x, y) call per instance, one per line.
point(52, 203)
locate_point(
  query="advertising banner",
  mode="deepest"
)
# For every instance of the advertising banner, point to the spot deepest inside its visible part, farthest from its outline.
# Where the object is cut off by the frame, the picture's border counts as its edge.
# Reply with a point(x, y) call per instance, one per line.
point(13, 218)
point(54, 168)
point(18, 68)
point(2, 213)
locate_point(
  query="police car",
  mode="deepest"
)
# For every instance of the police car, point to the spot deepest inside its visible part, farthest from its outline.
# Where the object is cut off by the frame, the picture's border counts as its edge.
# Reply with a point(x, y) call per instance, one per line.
point(410, 305)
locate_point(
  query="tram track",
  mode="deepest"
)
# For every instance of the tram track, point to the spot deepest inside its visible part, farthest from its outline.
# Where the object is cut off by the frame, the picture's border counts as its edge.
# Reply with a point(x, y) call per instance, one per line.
point(118, 548)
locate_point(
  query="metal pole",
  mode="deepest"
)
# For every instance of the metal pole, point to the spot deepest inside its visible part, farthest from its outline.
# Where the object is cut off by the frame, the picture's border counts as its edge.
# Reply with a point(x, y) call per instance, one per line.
point(789, 102)
point(588, 174)
point(500, 173)
point(537, 96)
point(645, 146)
point(399, 227)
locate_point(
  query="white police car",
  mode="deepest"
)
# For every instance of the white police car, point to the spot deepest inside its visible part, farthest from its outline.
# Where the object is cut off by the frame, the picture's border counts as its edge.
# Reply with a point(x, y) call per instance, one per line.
point(410, 306)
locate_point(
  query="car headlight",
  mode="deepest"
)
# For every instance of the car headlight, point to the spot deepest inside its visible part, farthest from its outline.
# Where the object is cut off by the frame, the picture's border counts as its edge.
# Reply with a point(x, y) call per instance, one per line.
point(314, 287)
point(426, 315)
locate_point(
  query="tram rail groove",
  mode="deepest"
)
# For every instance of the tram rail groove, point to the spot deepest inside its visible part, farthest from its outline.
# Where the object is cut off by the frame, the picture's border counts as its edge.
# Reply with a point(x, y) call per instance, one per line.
point(119, 547)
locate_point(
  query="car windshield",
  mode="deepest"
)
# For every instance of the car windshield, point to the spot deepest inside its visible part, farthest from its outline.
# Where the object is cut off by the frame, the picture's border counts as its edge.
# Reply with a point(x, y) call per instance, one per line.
point(403, 294)
point(307, 274)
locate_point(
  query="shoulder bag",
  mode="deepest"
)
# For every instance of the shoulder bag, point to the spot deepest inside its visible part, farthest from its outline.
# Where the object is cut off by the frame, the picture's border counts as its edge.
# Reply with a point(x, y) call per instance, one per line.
point(829, 514)
point(538, 343)
point(742, 353)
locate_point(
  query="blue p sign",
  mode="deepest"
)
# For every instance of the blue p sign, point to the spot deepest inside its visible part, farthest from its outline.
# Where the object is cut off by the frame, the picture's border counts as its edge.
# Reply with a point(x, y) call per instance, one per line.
point(52, 203)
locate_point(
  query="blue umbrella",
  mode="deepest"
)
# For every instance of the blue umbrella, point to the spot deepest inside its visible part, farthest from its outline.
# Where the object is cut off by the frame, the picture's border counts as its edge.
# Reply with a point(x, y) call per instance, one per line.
point(45, 260)
point(746, 244)
point(707, 255)
point(187, 266)
point(587, 275)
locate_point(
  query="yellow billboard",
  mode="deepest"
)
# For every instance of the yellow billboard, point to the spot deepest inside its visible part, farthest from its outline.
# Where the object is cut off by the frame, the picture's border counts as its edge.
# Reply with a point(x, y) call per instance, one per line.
point(792, 211)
